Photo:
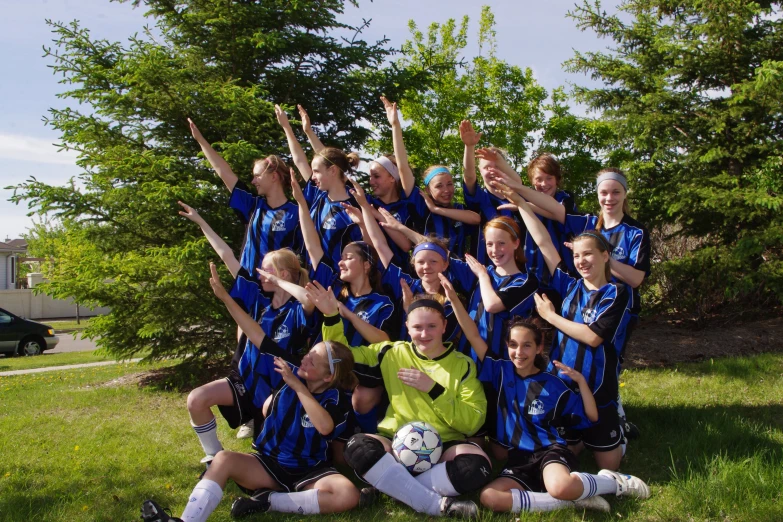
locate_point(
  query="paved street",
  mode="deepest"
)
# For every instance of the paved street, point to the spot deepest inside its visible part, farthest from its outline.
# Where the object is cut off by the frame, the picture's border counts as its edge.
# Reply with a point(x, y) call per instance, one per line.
point(72, 342)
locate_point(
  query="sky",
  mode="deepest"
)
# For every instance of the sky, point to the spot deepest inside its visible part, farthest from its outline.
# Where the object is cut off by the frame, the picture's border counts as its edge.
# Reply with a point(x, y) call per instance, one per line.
point(530, 33)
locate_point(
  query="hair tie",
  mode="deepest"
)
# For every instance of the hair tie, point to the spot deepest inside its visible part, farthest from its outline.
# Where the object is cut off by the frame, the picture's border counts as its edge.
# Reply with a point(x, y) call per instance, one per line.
point(433, 247)
point(386, 163)
point(435, 172)
point(428, 303)
point(619, 178)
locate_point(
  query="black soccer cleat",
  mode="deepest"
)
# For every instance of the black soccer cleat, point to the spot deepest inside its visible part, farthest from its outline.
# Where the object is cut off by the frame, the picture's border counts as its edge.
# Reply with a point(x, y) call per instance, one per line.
point(451, 507)
point(258, 502)
point(368, 496)
point(630, 430)
point(152, 512)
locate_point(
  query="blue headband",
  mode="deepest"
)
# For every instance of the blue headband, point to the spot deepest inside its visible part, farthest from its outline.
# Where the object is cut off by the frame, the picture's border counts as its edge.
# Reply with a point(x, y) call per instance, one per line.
point(435, 172)
point(433, 247)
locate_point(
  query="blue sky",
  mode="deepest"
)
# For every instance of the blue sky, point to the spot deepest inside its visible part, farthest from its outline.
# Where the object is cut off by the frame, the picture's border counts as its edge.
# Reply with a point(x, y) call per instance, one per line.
point(530, 33)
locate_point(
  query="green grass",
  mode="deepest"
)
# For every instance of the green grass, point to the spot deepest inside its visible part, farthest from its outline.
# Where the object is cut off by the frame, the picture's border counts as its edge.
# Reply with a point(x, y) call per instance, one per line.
point(51, 359)
point(92, 445)
point(67, 325)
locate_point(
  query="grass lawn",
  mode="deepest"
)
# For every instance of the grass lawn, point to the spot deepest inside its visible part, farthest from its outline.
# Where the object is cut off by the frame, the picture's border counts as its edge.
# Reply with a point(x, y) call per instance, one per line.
point(68, 325)
point(92, 445)
point(51, 359)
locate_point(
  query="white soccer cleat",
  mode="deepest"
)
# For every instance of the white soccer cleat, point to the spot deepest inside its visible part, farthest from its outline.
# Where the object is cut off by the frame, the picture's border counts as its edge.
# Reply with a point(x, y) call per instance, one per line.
point(245, 431)
point(594, 503)
point(627, 485)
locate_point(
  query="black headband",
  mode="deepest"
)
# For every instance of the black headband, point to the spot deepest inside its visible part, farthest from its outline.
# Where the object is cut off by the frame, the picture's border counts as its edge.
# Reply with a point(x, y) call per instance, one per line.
point(429, 303)
point(597, 235)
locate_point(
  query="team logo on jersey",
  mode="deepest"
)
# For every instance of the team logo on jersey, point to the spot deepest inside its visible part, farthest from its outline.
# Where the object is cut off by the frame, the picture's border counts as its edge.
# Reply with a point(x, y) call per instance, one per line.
point(457, 224)
point(306, 421)
point(536, 408)
point(329, 224)
point(589, 315)
point(619, 253)
point(278, 226)
point(281, 333)
point(364, 316)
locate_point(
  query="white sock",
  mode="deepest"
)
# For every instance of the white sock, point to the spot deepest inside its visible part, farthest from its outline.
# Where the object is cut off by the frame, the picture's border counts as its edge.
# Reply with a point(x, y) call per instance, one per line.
point(534, 502)
point(207, 436)
point(438, 481)
point(596, 485)
point(391, 477)
point(302, 502)
point(620, 409)
point(202, 502)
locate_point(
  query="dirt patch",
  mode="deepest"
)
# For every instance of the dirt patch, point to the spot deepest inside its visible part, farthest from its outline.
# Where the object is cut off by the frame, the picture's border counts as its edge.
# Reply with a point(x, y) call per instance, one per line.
point(659, 341)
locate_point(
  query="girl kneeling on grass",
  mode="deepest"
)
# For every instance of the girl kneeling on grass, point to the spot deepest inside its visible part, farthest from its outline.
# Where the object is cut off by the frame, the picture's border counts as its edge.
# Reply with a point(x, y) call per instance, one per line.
point(531, 405)
point(289, 472)
point(425, 380)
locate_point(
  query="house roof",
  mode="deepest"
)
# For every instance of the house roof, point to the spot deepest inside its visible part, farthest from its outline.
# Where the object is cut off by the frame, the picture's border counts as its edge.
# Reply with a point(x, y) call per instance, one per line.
point(13, 245)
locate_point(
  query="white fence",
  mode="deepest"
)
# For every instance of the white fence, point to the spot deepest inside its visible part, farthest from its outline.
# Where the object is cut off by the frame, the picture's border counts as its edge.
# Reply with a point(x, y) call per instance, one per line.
point(29, 306)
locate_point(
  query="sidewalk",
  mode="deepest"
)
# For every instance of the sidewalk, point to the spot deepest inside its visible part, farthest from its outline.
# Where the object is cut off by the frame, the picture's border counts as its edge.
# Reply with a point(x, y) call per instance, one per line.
point(65, 367)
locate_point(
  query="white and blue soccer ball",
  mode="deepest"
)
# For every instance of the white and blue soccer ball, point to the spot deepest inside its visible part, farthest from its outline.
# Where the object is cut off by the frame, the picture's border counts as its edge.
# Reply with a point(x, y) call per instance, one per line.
point(417, 446)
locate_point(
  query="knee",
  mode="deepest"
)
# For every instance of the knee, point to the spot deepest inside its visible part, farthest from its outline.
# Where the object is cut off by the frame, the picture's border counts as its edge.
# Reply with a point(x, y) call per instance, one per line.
point(469, 472)
point(198, 399)
point(362, 452)
point(365, 399)
point(559, 489)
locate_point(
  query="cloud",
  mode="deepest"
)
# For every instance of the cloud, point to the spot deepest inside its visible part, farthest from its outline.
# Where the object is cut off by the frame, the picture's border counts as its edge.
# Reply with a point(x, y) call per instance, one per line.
point(36, 150)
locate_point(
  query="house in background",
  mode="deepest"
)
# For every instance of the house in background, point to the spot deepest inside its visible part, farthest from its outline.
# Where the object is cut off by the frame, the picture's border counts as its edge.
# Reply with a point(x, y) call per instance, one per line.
point(10, 252)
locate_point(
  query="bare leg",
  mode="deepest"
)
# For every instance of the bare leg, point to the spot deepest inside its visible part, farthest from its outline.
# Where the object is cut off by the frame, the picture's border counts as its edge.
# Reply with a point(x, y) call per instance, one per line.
point(497, 494)
point(242, 468)
point(609, 459)
point(335, 494)
point(560, 483)
point(201, 400)
point(365, 399)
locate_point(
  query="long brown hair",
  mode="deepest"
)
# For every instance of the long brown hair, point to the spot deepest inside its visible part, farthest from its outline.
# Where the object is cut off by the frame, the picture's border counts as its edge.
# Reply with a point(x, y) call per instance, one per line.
point(510, 227)
point(626, 207)
point(343, 378)
point(277, 166)
point(369, 255)
point(338, 158)
point(540, 361)
point(601, 244)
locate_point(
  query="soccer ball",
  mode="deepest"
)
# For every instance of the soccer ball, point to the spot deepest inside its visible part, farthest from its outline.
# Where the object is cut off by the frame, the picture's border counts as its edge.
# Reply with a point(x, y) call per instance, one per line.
point(417, 446)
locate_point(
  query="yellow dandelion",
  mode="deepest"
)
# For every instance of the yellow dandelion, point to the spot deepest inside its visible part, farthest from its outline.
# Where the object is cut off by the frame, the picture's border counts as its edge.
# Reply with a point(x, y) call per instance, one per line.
point(76, 448)
point(85, 507)
point(622, 385)
point(7, 474)
point(168, 486)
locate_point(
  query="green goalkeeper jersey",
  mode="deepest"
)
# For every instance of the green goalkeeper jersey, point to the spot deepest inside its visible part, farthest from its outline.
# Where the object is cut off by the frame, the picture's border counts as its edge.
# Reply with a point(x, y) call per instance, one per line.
point(456, 405)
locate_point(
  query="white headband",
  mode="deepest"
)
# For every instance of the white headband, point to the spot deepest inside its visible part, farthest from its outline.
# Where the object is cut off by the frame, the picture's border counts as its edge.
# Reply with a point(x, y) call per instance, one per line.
point(619, 178)
point(330, 356)
point(386, 163)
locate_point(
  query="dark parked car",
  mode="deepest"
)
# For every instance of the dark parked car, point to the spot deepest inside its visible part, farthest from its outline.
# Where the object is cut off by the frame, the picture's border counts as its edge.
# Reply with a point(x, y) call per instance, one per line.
point(24, 337)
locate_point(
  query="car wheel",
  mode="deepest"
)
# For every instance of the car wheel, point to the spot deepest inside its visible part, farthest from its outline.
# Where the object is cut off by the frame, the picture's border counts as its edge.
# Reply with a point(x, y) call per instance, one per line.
point(31, 346)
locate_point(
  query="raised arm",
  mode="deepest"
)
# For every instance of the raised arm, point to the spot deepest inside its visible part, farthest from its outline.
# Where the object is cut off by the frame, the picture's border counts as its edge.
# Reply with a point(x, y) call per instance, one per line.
point(626, 273)
point(470, 138)
point(368, 332)
point(312, 240)
point(220, 246)
point(317, 414)
point(578, 331)
point(544, 205)
point(466, 323)
point(374, 231)
point(389, 222)
point(297, 153)
point(400, 154)
point(216, 160)
point(492, 301)
point(457, 214)
point(298, 292)
point(588, 400)
point(247, 324)
point(312, 137)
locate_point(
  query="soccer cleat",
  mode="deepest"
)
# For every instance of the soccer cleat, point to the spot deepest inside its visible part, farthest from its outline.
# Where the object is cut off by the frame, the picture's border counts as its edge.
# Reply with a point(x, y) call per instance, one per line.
point(152, 512)
point(594, 503)
point(368, 496)
point(207, 460)
point(245, 431)
point(258, 502)
point(630, 430)
point(451, 507)
point(627, 485)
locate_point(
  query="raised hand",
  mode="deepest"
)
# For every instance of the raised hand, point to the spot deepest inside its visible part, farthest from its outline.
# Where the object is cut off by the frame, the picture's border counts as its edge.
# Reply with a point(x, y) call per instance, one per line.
point(407, 294)
point(505, 191)
point(354, 213)
point(190, 213)
point(545, 307)
point(288, 376)
point(306, 126)
point(391, 111)
point(487, 154)
point(358, 193)
point(195, 132)
point(416, 379)
point(214, 282)
point(569, 372)
point(448, 288)
point(469, 136)
point(389, 221)
point(477, 268)
point(268, 277)
point(296, 189)
point(282, 117)
point(322, 298)
point(431, 206)
point(498, 176)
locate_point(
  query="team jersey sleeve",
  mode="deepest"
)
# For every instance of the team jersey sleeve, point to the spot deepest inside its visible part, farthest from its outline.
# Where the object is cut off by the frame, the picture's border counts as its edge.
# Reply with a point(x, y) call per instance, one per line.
point(336, 405)
point(332, 330)
point(245, 291)
point(561, 281)
point(466, 409)
point(567, 200)
point(310, 192)
point(611, 309)
point(242, 201)
point(640, 252)
point(270, 347)
point(575, 224)
point(489, 370)
point(518, 296)
point(571, 411)
point(323, 274)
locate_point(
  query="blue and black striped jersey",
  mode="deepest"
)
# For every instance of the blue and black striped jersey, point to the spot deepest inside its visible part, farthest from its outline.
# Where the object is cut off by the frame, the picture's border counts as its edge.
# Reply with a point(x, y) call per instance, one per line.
point(456, 232)
point(630, 240)
point(536, 264)
point(268, 228)
point(516, 291)
point(404, 211)
point(457, 272)
point(288, 435)
point(606, 312)
point(487, 207)
point(530, 409)
point(332, 223)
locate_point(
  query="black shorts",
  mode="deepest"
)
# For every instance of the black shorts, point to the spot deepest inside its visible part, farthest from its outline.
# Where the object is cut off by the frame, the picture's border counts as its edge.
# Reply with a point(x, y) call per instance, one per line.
point(243, 410)
point(527, 468)
point(452, 443)
point(605, 435)
point(292, 479)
